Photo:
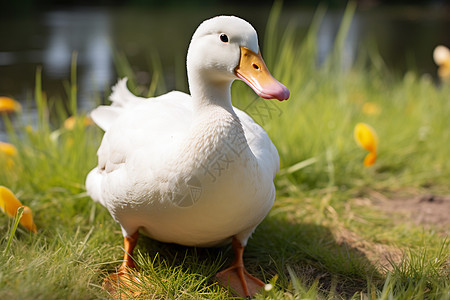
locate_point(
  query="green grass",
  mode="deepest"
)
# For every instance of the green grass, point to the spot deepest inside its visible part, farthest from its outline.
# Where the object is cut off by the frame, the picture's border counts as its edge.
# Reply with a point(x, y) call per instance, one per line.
point(303, 247)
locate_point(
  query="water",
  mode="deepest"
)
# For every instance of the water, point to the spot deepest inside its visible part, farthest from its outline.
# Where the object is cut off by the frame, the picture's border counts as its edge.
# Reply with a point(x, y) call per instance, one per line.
point(50, 38)
point(405, 36)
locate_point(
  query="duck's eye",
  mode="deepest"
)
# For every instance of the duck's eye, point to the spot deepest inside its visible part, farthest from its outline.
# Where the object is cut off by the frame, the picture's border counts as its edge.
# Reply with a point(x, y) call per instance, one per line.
point(224, 38)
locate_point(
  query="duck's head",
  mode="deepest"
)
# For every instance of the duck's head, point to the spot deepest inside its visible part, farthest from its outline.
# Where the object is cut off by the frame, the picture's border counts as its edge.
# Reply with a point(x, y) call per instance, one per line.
point(226, 48)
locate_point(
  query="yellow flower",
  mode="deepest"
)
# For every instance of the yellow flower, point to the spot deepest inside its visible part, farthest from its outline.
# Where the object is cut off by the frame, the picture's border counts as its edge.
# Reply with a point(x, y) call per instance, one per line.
point(370, 159)
point(70, 122)
point(441, 56)
point(9, 105)
point(10, 204)
point(366, 137)
point(8, 149)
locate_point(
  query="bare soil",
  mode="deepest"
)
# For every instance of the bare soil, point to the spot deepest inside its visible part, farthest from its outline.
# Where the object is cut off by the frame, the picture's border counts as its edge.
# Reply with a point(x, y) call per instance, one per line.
point(429, 210)
point(379, 255)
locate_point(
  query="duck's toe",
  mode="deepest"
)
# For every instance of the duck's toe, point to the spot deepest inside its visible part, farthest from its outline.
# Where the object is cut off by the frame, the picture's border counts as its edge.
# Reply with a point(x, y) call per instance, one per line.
point(240, 281)
point(122, 285)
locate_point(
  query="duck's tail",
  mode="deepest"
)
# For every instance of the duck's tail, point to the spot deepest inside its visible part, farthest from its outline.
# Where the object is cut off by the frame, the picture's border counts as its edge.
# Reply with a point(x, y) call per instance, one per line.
point(121, 95)
point(93, 186)
point(121, 98)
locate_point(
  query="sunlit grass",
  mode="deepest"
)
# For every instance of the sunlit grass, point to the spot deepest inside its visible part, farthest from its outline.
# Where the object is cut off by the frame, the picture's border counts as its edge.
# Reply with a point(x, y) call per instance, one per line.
point(322, 188)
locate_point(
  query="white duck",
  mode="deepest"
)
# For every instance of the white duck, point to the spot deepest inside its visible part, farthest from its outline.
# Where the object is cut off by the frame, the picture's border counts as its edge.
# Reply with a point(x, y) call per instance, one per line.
point(192, 170)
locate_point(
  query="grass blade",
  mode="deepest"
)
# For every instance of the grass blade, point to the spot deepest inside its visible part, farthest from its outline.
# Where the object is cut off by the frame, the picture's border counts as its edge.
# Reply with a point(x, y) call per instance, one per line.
point(13, 229)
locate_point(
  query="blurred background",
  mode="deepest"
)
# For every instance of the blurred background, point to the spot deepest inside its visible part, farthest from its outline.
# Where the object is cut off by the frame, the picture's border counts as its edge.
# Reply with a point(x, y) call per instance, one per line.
point(47, 32)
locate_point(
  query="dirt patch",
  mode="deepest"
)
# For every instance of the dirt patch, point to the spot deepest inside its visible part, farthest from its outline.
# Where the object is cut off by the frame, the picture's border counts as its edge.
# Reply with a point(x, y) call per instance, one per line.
point(381, 256)
point(428, 210)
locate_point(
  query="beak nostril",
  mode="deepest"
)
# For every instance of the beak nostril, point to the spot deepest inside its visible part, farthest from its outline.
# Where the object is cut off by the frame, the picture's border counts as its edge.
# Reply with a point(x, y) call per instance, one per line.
point(255, 66)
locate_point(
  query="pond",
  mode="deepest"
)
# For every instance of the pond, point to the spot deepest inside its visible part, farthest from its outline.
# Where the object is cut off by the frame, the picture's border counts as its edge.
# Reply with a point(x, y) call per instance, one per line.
point(405, 37)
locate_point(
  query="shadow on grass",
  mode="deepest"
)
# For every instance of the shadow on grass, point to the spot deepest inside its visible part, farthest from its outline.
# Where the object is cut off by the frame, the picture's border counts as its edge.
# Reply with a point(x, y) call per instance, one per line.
point(309, 250)
point(312, 252)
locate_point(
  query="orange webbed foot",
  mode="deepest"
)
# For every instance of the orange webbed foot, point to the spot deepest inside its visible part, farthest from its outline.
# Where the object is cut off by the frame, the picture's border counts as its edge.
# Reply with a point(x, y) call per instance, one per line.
point(122, 284)
point(240, 281)
point(236, 276)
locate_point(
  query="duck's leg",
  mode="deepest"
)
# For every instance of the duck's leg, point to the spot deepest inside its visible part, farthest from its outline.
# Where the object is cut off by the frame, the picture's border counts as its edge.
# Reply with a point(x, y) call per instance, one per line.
point(130, 243)
point(237, 277)
point(123, 277)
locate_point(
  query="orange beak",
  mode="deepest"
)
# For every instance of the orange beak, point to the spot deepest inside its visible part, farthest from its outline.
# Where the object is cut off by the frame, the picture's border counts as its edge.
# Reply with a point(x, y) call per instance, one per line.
point(253, 71)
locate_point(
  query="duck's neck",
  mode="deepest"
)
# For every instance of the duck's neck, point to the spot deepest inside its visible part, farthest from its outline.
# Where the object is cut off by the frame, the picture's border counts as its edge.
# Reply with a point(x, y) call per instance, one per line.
point(216, 130)
point(210, 93)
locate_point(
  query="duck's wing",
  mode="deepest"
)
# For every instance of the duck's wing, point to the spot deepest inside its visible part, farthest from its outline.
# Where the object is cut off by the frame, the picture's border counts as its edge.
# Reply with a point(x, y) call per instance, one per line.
point(259, 142)
point(140, 133)
point(155, 126)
